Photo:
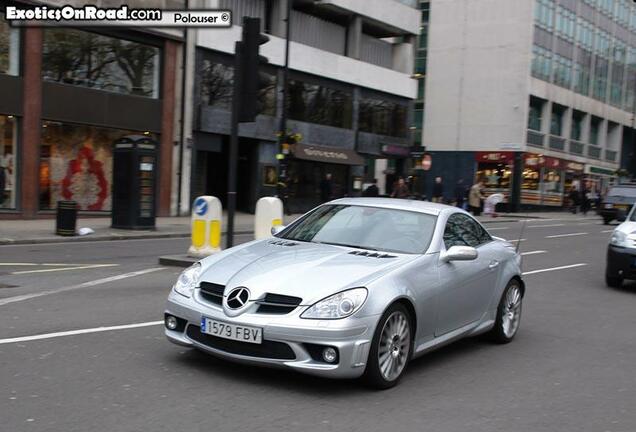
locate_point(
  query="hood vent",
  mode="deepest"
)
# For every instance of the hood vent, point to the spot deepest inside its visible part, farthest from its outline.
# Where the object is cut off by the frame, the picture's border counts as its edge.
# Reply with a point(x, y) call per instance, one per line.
point(372, 254)
point(283, 243)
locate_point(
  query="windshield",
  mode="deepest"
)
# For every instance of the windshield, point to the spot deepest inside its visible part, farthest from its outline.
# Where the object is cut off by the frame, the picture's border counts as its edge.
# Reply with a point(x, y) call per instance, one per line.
point(364, 227)
point(622, 192)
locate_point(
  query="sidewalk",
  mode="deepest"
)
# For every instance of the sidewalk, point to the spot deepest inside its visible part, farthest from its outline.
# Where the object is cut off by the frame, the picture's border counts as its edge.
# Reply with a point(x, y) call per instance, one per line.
point(43, 230)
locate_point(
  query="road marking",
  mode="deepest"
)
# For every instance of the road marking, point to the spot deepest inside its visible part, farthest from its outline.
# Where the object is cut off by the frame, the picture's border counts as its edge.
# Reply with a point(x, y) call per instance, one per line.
point(567, 235)
point(64, 269)
point(78, 332)
point(534, 252)
point(607, 231)
point(554, 269)
point(545, 226)
point(22, 264)
point(23, 297)
point(498, 228)
point(516, 240)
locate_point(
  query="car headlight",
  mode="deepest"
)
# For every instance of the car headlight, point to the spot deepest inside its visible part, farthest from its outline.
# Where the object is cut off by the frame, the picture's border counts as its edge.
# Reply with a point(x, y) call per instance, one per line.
point(609, 206)
point(188, 280)
point(340, 305)
point(619, 238)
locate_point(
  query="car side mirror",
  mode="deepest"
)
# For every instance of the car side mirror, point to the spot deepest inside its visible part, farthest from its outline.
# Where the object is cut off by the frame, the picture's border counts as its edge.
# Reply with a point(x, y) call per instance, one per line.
point(460, 253)
point(277, 229)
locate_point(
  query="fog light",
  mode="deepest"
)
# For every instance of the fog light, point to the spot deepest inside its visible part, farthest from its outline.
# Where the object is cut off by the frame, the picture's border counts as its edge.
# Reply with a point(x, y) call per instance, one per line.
point(171, 322)
point(329, 354)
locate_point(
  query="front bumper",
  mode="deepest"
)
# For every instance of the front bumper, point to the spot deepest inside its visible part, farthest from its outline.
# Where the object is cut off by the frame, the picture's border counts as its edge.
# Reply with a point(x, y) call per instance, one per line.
point(621, 262)
point(351, 336)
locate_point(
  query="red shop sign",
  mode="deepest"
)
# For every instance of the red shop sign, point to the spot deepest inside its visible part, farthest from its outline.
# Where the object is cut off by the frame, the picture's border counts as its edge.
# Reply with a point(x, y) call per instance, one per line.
point(500, 157)
point(552, 163)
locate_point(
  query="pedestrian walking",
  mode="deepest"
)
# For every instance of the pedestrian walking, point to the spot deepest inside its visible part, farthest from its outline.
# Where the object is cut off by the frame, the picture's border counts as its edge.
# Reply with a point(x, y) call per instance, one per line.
point(372, 190)
point(585, 201)
point(438, 190)
point(2, 184)
point(475, 197)
point(326, 188)
point(460, 193)
point(400, 190)
point(574, 199)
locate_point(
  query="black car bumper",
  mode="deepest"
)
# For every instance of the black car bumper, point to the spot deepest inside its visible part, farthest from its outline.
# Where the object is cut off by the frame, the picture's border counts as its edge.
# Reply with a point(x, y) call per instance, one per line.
point(621, 262)
point(609, 214)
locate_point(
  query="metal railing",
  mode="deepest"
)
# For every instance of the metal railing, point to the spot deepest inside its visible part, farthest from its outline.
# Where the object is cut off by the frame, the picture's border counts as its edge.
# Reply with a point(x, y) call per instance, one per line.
point(535, 138)
point(376, 51)
point(557, 143)
point(318, 33)
point(577, 147)
point(594, 152)
point(610, 155)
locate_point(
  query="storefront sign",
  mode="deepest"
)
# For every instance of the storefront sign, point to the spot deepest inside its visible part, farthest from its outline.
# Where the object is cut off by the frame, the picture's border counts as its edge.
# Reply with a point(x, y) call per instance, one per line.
point(396, 150)
point(589, 169)
point(328, 155)
point(500, 157)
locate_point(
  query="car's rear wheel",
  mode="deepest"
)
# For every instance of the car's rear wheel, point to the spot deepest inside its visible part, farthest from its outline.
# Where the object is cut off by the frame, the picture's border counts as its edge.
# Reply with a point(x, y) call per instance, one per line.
point(390, 349)
point(508, 313)
point(613, 282)
point(606, 220)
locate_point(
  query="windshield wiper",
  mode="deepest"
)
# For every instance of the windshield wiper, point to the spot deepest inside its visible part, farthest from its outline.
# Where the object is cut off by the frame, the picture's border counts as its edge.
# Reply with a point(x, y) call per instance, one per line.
point(346, 245)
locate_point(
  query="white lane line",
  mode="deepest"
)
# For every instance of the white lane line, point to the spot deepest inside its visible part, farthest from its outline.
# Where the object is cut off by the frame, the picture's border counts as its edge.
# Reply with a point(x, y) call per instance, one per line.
point(22, 264)
point(554, 268)
point(607, 231)
point(545, 226)
point(567, 235)
point(63, 269)
point(498, 228)
point(534, 252)
point(77, 332)
point(516, 240)
point(23, 297)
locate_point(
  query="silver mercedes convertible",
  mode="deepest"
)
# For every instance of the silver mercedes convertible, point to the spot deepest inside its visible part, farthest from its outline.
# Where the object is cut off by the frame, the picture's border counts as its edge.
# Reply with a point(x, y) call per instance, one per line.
point(356, 287)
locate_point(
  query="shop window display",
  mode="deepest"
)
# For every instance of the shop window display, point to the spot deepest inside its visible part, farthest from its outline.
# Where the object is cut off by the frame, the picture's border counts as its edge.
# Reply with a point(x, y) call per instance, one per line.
point(7, 162)
point(76, 163)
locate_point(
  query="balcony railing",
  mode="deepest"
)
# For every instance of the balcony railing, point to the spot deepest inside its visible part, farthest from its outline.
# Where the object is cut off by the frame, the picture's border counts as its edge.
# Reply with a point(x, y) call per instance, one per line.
point(577, 147)
point(535, 138)
point(557, 143)
point(594, 152)
point(241, 8)
point(610, 155)
point(313, 31)
point(376, 51)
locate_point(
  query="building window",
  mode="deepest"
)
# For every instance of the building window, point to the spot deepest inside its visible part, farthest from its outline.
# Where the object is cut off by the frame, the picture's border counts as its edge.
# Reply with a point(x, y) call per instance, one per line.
point(541, 62)
point(600, 78)
point(314, 103)
point(9, 48)
point(616, 85)
point(76, 163)
point(582, 78)
point(562, 71)
point(8, 139)
point(100, 62)
point(534, 114)
point(556, 121)
point(630, 90)
point(383, 117)
point(595, 126)
point(565, 23)
point(585, 34)
point(544, 13)
point(577, 125)
point(216, 87)
point(602, 46)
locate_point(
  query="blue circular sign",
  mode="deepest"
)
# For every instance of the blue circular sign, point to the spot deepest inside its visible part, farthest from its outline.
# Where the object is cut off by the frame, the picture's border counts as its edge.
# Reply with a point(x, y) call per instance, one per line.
point(200, 206)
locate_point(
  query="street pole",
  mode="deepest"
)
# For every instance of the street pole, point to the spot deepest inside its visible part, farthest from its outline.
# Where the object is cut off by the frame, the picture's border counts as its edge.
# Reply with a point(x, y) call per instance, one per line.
point(282, 163)
point(231, 177)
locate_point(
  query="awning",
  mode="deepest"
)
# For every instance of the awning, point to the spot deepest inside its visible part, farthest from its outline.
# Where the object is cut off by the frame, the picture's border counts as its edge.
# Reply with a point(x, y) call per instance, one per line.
point(327, 155)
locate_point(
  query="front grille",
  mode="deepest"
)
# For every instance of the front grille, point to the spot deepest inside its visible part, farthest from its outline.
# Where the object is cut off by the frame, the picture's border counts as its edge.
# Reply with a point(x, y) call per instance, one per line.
point(212, 292)
point(267, 349)
point(277, 304)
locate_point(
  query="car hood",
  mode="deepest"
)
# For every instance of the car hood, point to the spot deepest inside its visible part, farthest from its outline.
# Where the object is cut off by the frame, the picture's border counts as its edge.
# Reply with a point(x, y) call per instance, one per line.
point(308, 270)
point(616, 199)
point(627, 227)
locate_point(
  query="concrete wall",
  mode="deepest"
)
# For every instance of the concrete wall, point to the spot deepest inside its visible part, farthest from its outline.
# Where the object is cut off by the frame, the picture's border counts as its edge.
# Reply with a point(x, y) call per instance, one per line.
point(388, 12)
point(477, 74)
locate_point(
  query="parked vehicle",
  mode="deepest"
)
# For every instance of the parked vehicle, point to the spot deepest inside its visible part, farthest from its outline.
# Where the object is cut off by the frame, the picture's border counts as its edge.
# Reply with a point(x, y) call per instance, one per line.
point(618, 202)
point(355, 288)
point(621, 252)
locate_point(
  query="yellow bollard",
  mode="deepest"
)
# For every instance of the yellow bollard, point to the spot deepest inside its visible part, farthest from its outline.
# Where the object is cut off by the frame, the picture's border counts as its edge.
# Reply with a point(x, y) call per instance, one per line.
point(206, 226)
point(269, 213)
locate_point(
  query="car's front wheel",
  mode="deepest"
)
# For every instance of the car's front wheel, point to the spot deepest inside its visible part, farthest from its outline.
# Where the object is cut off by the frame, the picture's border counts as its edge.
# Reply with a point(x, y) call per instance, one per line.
point(613, 282)
point(508, 313)
point(390, 349)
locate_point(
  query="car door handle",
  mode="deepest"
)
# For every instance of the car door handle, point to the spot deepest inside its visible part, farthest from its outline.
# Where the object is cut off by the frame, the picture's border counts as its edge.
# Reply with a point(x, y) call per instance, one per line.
point(493, 264)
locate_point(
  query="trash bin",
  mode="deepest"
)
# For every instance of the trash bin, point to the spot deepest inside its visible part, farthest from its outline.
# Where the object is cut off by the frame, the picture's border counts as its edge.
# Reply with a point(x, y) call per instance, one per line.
point(66, 218)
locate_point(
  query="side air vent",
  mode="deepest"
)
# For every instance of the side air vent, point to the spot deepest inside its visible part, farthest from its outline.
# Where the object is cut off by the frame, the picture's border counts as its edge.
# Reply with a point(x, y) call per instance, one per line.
point(277, 304)
point(283, 243)
point(372, 254)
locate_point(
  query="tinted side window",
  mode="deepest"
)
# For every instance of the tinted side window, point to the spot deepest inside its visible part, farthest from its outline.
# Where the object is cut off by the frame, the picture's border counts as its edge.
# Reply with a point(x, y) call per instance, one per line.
point(461, 230)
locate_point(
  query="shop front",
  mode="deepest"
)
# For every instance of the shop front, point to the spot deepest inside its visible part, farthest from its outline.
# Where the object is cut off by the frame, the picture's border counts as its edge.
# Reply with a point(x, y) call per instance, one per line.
point(599, 179)
point(496, 168)
point(308, 172)
point(546, 180)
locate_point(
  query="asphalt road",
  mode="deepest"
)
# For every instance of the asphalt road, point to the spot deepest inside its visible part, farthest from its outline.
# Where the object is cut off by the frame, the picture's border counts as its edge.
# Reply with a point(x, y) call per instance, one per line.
point(572, 366)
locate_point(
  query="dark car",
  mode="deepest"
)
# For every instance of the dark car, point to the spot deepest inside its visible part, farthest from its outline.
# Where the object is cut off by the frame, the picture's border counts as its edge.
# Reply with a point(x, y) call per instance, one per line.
point(618, 202)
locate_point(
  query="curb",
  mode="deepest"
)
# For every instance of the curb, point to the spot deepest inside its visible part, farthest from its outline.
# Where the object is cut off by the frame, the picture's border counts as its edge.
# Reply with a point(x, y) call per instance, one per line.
point(89, 238)
point(177, 260)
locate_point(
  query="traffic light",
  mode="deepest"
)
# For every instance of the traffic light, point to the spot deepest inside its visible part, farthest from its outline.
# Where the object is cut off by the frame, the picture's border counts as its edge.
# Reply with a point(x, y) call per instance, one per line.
point(249, 61)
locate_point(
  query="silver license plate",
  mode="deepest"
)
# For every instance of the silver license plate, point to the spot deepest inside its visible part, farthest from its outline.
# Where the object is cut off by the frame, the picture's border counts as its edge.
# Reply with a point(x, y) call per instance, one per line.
point(241, 333)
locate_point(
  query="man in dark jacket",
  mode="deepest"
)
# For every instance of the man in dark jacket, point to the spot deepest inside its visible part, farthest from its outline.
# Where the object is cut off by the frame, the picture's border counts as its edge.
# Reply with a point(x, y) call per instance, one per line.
point(438, 190)
point(460, 193)
point(326, 188)
point(371, 190)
